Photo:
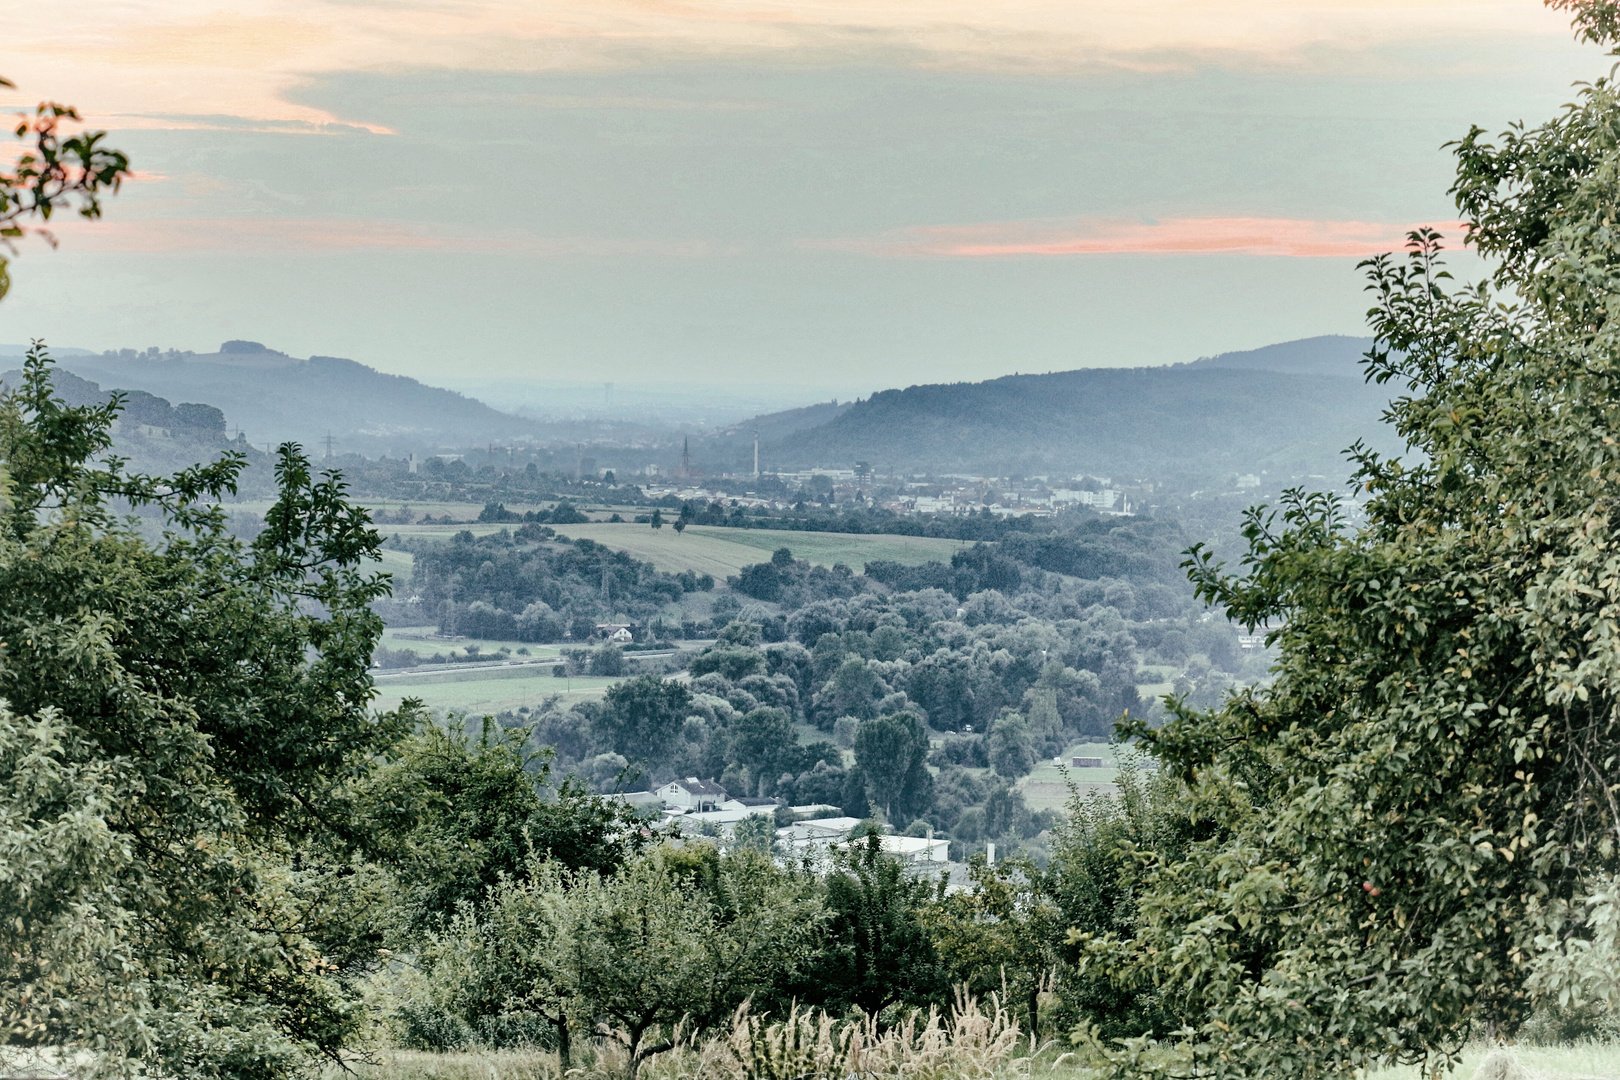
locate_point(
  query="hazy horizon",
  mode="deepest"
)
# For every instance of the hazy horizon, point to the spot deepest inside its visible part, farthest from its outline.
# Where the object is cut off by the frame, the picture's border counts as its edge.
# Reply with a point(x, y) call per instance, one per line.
point(811, 202)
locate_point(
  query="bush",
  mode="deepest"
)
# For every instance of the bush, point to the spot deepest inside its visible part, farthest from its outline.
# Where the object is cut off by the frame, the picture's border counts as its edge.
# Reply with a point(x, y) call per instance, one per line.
point(608, 661)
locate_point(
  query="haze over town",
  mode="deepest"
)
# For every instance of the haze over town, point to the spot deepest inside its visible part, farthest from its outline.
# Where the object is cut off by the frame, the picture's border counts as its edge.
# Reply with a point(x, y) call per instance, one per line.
point(783, 201)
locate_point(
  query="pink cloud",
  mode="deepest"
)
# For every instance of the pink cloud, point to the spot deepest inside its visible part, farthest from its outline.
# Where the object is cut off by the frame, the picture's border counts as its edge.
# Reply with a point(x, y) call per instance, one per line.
point(1287, 237)
point(277, 236)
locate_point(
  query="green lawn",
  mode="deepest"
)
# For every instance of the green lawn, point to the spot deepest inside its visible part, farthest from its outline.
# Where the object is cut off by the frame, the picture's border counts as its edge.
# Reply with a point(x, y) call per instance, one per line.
point(714, 549)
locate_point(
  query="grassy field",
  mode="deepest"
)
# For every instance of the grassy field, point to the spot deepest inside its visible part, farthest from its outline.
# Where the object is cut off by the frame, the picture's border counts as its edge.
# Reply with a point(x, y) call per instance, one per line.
point(420, 640)
point(488, 691)
point(1047, 785)
point(703, 549)
point(398, 563)
point(714, 549)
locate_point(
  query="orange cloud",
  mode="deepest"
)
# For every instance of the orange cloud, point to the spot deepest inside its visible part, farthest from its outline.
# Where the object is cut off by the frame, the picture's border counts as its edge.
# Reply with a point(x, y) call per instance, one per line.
point(1289, 237)
point(280, 236)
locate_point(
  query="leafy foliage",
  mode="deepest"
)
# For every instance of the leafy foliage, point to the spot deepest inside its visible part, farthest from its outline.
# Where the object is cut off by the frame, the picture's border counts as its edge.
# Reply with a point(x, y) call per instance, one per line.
point(452, 818)
point(674, 936)
point(794, 582)
point(181, 716)
point(56, 169)
point(875, 951)
point(532, 586)
point(1403, 833)
point(892, 752)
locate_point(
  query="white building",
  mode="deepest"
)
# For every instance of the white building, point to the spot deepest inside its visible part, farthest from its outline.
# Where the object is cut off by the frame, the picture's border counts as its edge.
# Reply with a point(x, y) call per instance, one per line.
point(818, 837)
point(723, 821)
point(734, 803)
point(1102, 500)
point(914, 850)
point(692, 795)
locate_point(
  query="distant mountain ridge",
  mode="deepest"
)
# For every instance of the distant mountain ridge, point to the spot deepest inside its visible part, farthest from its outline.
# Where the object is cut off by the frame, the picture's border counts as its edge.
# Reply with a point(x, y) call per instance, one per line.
point(1290, 408)
point(1331, 354)
point(273, 397)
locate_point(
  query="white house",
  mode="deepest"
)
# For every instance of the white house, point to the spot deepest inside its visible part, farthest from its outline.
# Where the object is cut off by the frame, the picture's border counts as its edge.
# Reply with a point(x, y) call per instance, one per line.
point(692, 795)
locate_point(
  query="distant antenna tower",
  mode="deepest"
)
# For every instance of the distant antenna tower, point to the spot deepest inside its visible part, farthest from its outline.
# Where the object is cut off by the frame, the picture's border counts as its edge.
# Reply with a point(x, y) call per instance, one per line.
point(686, 456)
point(756, 455)
point(328, 442)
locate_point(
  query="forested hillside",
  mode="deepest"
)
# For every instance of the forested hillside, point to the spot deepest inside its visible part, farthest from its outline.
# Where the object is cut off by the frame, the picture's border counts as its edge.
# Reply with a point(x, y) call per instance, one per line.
point(1290, 408)
point(273, 397)
point(1332, 354)
point(1112, 421)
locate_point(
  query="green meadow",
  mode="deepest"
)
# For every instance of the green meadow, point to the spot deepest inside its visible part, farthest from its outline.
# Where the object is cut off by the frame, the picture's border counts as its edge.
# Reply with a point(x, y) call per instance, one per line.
point(489, 690)
point(721, 551)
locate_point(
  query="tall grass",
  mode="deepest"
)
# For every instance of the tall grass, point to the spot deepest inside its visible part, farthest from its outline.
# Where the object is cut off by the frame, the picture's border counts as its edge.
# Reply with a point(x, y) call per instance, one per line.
point(968, 1044)
point(972, 1041)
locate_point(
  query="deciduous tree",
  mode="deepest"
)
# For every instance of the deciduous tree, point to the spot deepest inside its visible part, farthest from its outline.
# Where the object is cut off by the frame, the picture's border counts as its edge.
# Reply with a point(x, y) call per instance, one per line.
point(1404, 832)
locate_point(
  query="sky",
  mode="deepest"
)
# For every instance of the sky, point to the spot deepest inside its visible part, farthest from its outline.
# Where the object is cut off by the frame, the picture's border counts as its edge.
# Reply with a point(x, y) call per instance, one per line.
point(831, 196)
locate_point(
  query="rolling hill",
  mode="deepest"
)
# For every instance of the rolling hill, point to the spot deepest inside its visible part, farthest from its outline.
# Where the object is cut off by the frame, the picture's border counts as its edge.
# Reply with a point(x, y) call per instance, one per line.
point(1331, 354)
point(272, 397)
point(1290, 408)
